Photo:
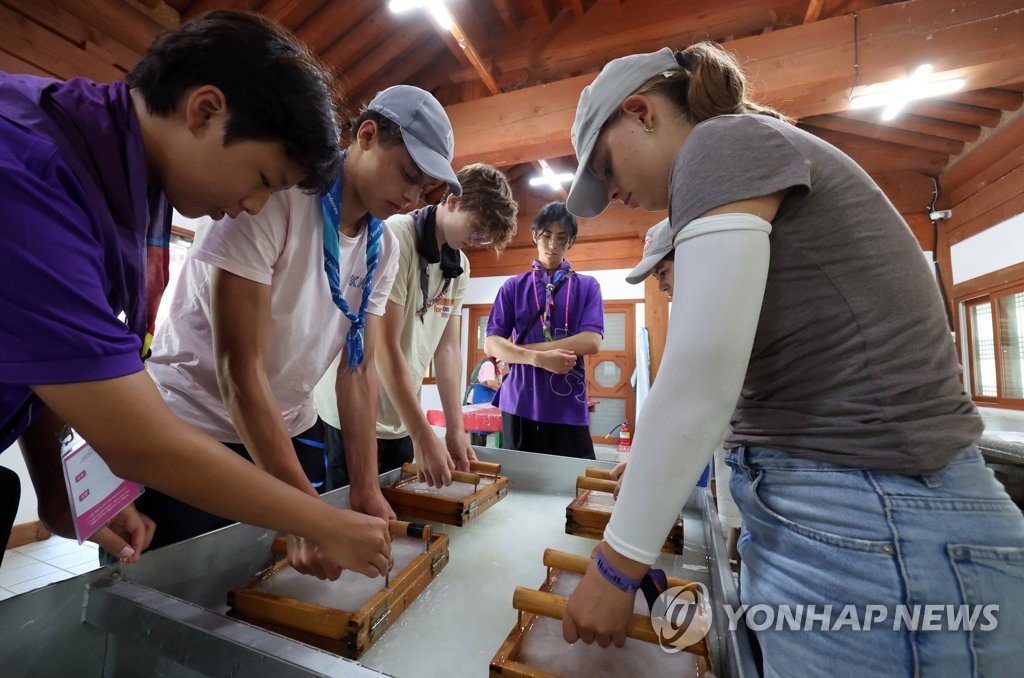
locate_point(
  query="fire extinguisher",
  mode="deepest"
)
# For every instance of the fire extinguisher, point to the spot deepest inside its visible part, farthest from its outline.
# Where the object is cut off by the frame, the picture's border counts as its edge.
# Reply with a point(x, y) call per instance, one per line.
point(625, 437)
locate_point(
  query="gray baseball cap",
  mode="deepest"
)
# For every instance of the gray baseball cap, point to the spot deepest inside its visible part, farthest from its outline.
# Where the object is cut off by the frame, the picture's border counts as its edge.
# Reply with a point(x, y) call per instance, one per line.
point(588, 195)
point(657, 244)
point(426, 129)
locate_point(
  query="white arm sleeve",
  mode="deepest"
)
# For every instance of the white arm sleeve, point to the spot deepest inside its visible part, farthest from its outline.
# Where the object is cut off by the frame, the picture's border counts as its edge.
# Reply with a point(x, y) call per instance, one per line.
point(721, 267)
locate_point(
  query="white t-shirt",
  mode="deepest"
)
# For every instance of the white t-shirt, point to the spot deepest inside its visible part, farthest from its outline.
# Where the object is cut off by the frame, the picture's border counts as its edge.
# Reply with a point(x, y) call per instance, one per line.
point(419, 338)
point(282, 247)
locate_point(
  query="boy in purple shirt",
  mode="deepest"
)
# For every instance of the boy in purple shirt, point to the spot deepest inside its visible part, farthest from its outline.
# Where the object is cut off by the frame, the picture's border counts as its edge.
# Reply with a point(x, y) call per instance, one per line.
point(542, 324)
point(90, 174)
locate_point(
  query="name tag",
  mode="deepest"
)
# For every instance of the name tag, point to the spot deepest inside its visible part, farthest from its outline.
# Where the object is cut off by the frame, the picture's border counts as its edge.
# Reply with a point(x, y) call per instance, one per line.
point(95, 494)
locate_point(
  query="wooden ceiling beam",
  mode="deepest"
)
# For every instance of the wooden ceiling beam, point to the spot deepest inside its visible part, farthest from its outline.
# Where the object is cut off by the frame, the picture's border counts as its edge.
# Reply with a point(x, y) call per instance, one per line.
point(995, 157)
point(397, 72)
point(999, 99)
point(908, 191)
point(14, 64)
point(124, 23)
point(813, 13)
point(53, 16)
point(874, 156)
point(160, 11)
point(882, 132)
point(584, 256)
point(51, 52)
point(507, 13)
point(919, 124)
point(805, 70)
point(202, 6)
point(540, 10)
point(289, 12)
point(366, 70)
point(361, 38)
point(571, 44)
point(616, 222)
point(328, 23)
point(955, 112)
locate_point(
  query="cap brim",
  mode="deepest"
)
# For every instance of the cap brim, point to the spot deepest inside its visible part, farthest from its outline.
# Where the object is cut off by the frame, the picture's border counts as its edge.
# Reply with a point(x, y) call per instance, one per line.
point(646, 265)
point(587, 196)
point(432, 163)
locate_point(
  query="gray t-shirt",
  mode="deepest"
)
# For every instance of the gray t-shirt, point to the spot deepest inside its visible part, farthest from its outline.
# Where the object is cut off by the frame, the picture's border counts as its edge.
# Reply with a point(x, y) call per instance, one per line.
point(853, 362)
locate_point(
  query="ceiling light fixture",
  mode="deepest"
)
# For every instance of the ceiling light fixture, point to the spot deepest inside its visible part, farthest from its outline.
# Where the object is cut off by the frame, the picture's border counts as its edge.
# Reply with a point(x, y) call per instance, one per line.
point(895, 95)
point(549, 178)
point(437, 9)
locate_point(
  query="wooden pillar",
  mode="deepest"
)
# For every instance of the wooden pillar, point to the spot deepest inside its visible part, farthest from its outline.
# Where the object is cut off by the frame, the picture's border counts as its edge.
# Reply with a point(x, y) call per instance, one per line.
point(656, 321)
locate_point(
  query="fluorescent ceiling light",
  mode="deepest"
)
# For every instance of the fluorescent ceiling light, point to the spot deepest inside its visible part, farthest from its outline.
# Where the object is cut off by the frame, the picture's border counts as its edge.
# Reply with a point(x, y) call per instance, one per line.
point(895, 95)
point(437, 9)
point(549, 178)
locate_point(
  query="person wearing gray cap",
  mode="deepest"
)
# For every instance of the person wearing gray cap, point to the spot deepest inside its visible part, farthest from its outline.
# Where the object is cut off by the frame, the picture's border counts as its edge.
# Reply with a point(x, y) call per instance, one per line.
point(805, 318)
point(267, 301)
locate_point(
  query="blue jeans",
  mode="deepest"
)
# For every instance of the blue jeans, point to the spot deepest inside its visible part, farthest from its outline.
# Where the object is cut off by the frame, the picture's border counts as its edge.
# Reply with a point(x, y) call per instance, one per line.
point(820, 534)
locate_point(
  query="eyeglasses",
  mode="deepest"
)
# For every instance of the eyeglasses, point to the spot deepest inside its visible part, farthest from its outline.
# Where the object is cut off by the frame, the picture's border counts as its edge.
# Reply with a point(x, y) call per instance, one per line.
point(479, 237)
point(549, 239)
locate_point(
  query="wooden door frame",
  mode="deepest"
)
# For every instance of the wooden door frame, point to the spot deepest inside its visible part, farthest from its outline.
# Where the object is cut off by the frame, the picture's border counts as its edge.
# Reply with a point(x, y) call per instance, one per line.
point(628, 355)
point(474, 353)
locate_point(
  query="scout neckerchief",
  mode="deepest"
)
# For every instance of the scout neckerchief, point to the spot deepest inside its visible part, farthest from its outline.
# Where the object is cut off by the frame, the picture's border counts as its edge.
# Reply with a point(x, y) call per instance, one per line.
point(425, 220)
point(551, 285)
point(331, 206)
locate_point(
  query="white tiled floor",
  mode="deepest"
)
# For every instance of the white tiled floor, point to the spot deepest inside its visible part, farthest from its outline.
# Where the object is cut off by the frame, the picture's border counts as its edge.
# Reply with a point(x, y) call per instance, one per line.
point(43, 562)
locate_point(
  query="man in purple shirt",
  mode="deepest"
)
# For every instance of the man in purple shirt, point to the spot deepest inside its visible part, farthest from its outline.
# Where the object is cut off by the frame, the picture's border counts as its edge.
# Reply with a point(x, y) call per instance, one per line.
point(542, 324)
point(217, 115)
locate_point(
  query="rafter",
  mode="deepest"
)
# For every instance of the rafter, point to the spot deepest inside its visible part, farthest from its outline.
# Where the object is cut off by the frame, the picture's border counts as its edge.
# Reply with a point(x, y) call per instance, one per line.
point(999, 99)
point(875, 156)
point(540, 9)
point(322, 27)
point(805, 70)
point(360, 39)
point(922, 125)
point(53, 16)
point(364, 72)
point(883, 132)
point(570, 45)
point(814, 8)
point(507, 13)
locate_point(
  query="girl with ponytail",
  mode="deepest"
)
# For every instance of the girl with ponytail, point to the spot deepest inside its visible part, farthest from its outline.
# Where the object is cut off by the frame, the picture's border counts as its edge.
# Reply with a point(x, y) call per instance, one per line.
point(806, 323)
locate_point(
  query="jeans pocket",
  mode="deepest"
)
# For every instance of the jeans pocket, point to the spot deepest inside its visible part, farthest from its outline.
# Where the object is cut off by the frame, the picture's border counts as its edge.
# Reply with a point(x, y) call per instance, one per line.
point(992, 578)
point(809, 510)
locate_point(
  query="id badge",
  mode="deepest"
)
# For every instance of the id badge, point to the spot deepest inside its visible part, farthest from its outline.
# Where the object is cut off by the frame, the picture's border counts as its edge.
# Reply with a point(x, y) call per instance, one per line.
point(95, 494)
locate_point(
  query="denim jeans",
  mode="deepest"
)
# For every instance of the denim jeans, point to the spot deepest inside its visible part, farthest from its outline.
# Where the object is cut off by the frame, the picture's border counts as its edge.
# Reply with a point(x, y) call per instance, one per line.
point(820, 534)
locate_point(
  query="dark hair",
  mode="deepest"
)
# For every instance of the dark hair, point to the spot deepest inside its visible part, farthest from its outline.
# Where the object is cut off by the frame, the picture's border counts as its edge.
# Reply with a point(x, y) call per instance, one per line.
point(552, 212)
point(708, 83)
point(275, 88)
point(389, 133)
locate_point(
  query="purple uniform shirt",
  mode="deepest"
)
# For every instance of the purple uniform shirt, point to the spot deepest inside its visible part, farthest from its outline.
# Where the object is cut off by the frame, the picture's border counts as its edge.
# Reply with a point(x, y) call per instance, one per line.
point(74, 214)
point(532, 392)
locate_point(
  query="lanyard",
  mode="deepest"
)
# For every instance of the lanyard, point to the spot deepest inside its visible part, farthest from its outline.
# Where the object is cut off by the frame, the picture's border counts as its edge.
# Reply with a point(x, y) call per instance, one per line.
point(548, 309)
point(331, 207)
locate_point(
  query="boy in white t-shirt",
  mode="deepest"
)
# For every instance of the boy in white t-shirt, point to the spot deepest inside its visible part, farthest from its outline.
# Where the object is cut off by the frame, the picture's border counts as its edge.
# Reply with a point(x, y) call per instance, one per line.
point(266, 302)
point(424, 322)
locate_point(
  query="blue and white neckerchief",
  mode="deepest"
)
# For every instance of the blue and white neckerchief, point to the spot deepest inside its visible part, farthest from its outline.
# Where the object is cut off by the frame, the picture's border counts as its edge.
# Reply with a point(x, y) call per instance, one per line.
point(331, 206)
